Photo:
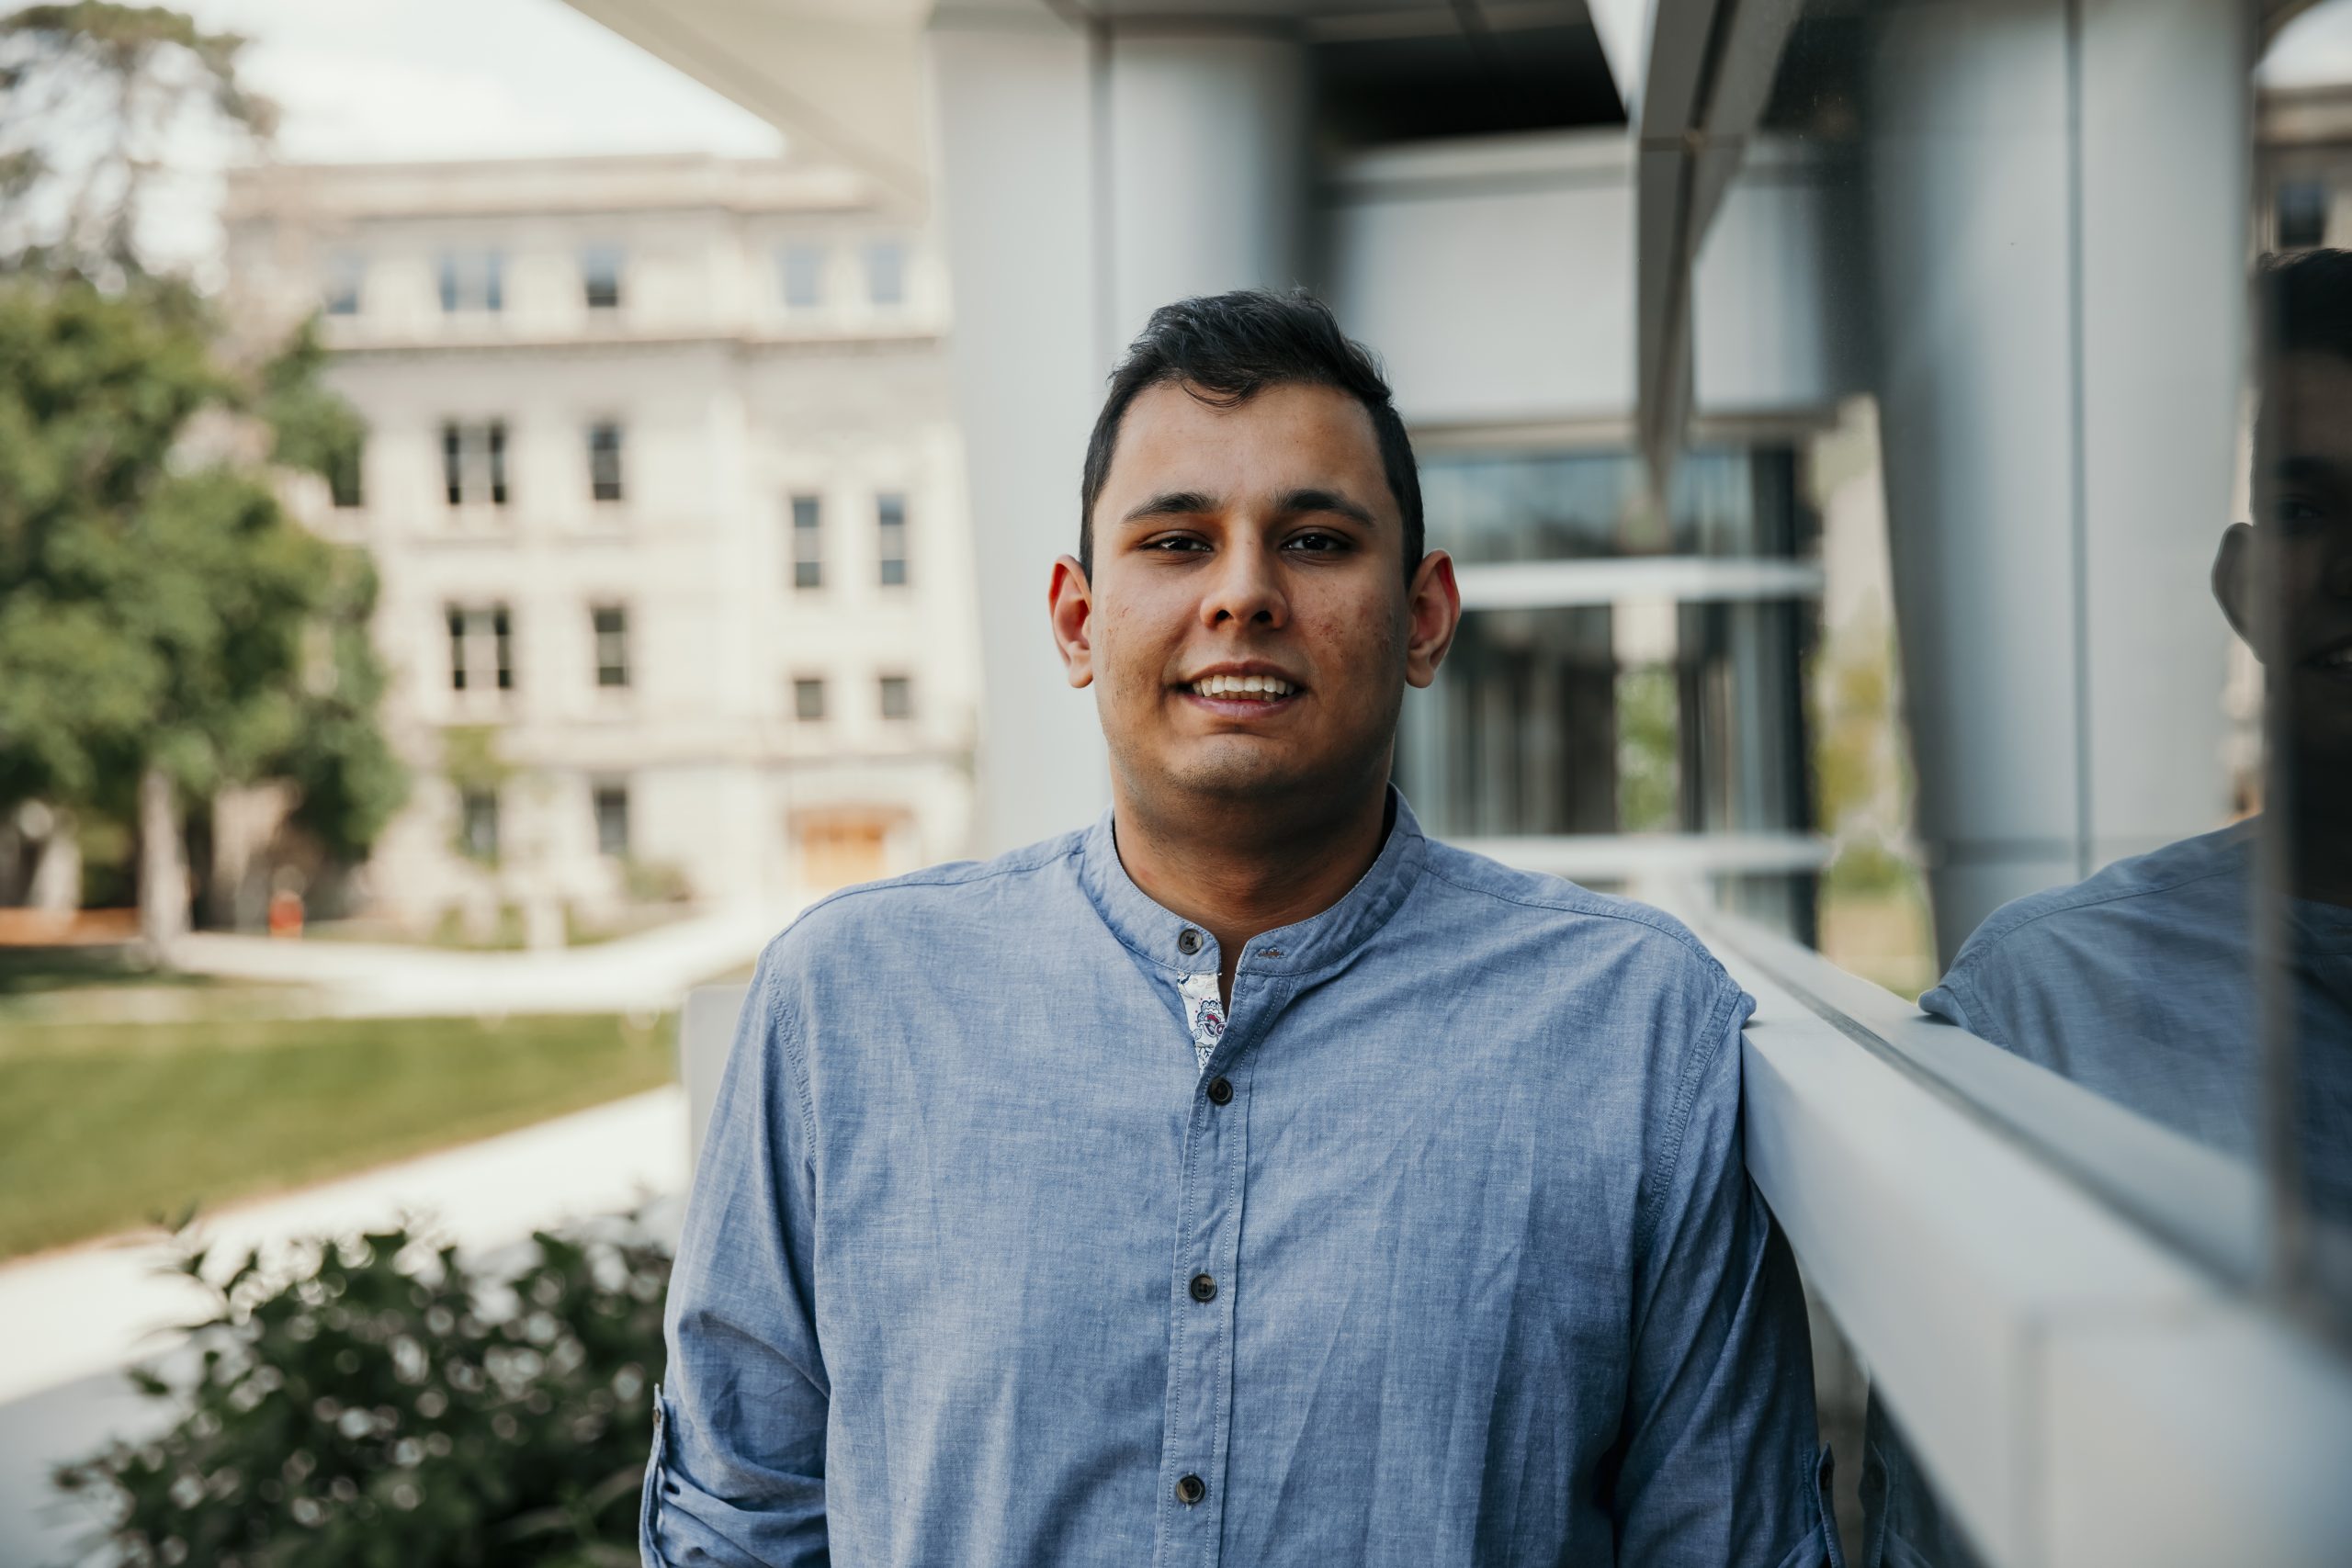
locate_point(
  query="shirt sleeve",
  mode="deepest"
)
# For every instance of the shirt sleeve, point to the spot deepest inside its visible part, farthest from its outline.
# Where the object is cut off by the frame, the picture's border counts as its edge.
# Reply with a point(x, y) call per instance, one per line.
point(1719, 1462)
point(738, 1471)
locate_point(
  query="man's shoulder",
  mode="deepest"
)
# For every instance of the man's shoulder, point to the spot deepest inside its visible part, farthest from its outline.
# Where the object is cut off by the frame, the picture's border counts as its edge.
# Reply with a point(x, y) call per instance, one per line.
point(1600, 930)
point(935, 902)
point(2135, 919)
point(2183, 876)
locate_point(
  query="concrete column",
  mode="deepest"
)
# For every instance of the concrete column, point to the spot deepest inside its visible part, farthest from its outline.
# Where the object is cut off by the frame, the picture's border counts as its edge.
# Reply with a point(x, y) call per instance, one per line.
point(1085, 176)
point(2058, 191)
point(1208, 148)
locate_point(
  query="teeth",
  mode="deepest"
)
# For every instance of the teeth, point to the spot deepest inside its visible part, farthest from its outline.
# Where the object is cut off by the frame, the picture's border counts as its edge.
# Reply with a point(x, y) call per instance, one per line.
point(1264, 688)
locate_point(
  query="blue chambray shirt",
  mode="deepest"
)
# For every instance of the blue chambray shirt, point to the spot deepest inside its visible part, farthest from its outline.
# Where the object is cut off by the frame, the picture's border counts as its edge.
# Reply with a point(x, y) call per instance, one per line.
point(1447, 1256)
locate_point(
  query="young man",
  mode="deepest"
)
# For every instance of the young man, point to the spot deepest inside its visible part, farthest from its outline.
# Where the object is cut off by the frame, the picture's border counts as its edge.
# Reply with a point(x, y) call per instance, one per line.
point(1247, 1178)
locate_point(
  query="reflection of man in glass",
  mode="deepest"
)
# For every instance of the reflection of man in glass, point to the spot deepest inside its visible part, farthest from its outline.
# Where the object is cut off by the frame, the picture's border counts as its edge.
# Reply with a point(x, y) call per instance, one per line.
point(2140, 983)
point(1247, 1179)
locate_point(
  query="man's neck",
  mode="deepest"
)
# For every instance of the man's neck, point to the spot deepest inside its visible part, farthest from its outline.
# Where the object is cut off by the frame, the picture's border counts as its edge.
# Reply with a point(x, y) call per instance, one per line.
point(1237, 870)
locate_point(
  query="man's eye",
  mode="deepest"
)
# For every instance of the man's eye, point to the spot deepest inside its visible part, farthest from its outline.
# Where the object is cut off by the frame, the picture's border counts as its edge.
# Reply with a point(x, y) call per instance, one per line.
point(1318, 544)
point(1174, 544)
point(2296, 513)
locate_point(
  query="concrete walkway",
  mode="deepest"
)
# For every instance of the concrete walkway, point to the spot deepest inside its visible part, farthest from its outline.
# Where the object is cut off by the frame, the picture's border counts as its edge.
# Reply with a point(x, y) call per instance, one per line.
point(69, 1321)
point(643, 974)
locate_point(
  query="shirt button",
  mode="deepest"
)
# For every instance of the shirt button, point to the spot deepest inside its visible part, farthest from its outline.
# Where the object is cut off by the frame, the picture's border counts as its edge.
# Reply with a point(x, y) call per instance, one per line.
point(1220, 1091)
point(1191, 1489)
point(1188, 941)
point(1203, 1288)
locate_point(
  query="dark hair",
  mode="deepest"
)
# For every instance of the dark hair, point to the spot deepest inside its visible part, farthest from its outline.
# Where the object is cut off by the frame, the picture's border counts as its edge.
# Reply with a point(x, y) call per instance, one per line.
point(2303, 303)
point(1226, 348)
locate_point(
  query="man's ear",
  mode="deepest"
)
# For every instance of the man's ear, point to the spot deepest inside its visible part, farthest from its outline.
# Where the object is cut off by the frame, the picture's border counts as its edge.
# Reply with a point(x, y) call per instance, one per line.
point(1071, 602)
point(2234, 580)
point(1433, 611)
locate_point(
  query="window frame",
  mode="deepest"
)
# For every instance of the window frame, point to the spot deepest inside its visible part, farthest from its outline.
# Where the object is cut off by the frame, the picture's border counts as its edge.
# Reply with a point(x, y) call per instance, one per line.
point(607, 266)
point(607, 462)
point(472, 280)
point(608, 632)
point(802, 261)
point(804, 523)
point(891, 539)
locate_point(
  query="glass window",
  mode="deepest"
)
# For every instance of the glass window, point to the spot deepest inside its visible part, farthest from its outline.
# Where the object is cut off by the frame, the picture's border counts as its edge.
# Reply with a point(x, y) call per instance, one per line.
point(808, 543)
point(473, 462)
point(610, 623)
point(612, 819)
point(1620, 668)
point(898, 697)
point(478, 824)
point(600, 276)
point(809, 698)
point(604, 461)
point(890, 513)
point(885, 274)
point(802, 270)
point(345, 275)
point(482, 647)
point(472, 280)
point(344, 477)
point(2301, 214)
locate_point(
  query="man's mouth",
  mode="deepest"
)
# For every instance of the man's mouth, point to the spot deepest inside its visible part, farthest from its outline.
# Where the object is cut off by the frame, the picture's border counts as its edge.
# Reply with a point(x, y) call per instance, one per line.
point(1242, 688)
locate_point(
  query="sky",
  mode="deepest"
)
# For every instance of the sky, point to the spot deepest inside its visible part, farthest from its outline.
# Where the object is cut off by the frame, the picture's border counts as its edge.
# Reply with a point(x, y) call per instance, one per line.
point(368, 80)
point(2315, 46)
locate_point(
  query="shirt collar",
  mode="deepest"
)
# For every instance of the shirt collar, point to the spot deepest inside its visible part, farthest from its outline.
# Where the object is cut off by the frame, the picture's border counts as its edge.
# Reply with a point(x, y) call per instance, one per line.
point(1300, 948)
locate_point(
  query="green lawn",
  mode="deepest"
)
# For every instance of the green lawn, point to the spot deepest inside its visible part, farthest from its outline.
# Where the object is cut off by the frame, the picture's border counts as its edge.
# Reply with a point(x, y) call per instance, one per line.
point(106, 1126)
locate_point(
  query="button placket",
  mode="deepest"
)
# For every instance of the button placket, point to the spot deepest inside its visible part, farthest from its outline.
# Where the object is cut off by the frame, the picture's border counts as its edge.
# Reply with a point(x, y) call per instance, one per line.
point(1200, 1393)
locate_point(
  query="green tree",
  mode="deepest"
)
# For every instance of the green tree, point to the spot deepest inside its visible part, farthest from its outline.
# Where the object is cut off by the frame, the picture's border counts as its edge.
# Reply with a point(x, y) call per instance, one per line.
point(165, 626)
point(96, 99)
point(167, 630)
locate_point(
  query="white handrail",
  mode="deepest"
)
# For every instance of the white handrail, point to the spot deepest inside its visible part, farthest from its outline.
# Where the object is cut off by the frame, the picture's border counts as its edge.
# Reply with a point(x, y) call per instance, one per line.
point(2081, 1378)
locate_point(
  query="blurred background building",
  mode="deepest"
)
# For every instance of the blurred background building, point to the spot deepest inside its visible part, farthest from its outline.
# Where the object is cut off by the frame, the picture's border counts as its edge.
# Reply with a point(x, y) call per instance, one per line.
point(664, 485)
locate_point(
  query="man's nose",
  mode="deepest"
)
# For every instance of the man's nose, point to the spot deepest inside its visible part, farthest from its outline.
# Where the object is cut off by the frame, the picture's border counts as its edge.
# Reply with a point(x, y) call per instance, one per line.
point(1244, 589)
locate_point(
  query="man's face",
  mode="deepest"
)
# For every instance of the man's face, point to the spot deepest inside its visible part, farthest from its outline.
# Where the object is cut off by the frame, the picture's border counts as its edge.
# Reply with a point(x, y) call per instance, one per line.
point(1249, 628)
point(2302, 503)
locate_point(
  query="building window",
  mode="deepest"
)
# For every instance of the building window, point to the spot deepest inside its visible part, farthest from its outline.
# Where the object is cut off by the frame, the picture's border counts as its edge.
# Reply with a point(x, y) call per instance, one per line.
point(2302, 211)
point(472, 280)
point(898, 697)
point(808, 699)
point(891, 514)
point(473, 462)
point(808, 543)
point(803, 267)
point(611, 624)
point(612, 820)
point(886, 273)
point(478, 824)
point(482, 647)
point(604, 461)
point(342, 477)
point(344, 275)
point(600, 278)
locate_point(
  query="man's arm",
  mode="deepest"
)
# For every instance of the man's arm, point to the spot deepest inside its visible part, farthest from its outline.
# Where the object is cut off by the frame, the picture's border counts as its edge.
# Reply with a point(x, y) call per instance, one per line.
point(738, 1471)
point(1719, 1461)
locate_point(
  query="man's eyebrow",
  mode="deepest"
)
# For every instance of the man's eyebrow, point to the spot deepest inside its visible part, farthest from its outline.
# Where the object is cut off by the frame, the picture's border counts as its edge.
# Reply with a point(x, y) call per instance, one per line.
point(1297, 500)
point(2295, 469)
point(1172, 503)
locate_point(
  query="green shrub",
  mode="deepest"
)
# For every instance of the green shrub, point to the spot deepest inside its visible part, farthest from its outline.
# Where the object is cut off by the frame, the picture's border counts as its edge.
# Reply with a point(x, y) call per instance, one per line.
point(382, 1404)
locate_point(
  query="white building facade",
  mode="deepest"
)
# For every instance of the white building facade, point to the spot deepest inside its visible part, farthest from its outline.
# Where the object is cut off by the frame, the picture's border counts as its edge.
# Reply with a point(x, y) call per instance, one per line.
point(663, 486)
